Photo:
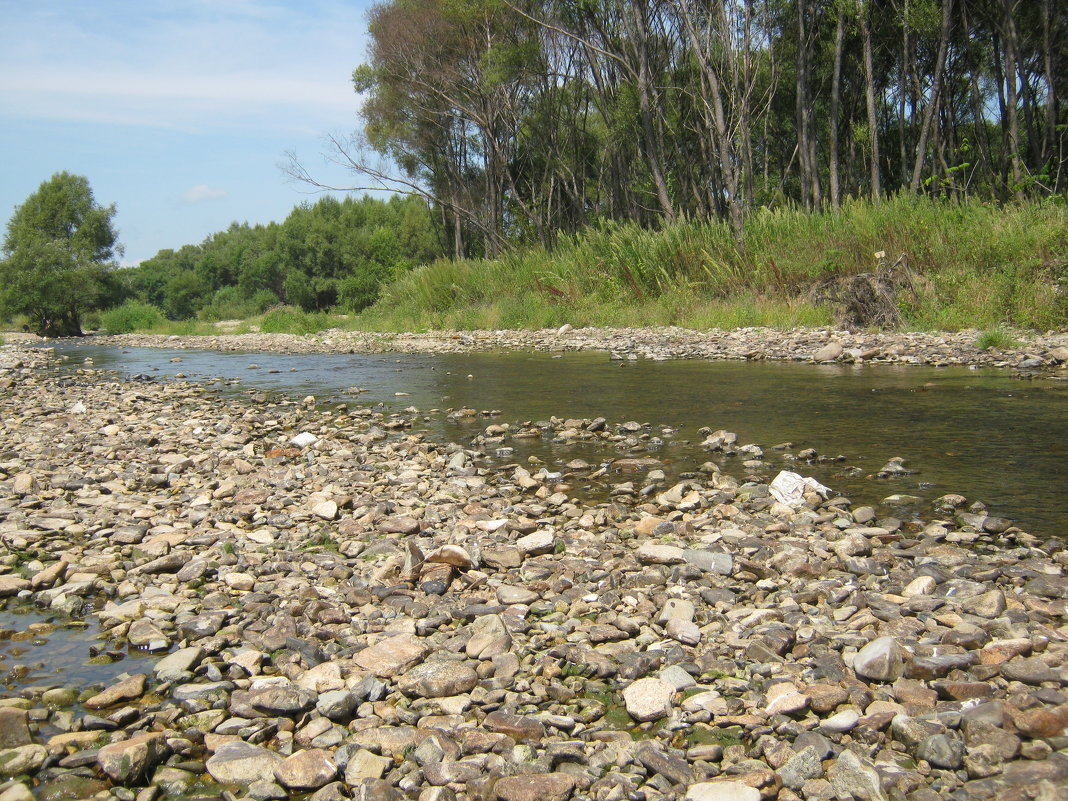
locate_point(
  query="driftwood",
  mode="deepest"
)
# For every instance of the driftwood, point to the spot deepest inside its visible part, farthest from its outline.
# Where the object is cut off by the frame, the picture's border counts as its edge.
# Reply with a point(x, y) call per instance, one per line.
point(869, 300)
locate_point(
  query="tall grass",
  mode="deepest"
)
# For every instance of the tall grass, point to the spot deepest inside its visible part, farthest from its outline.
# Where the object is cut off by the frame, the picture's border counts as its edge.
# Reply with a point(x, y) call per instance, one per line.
point(982, 265)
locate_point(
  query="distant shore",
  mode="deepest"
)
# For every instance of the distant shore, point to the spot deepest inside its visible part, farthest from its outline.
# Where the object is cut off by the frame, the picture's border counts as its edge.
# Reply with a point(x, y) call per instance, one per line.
point(1032, 351)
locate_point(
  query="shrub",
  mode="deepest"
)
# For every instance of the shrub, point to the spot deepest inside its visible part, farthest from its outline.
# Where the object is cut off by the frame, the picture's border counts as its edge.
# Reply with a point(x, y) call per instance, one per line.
point(996, 338)
point(289, 320)
point(133, 315)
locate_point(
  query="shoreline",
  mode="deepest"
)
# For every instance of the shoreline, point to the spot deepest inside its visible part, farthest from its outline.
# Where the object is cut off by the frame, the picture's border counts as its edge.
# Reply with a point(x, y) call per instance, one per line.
point(1036, 352)
point(352, 609)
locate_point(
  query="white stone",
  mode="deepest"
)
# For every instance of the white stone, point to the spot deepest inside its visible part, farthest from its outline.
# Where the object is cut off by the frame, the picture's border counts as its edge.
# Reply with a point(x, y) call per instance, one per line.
point(648, 699)
point(721, 791)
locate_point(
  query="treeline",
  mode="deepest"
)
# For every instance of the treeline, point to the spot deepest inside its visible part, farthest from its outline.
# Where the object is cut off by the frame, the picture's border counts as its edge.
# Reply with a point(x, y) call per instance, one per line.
point(522, 119)
point(333, 254)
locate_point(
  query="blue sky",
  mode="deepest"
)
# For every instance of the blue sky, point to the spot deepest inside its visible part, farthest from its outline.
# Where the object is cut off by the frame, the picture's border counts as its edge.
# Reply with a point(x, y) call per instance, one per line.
point(177, 111)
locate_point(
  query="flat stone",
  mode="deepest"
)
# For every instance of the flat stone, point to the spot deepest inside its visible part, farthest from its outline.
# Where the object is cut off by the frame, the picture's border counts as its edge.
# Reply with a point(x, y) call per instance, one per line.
point(12, 585)
point(392, 656)
point(656, 553)
point(238, 762)
point(648, 699)
point(804, 765)
point(438, 679)
point(173, 666)
point(22, 759)
point(535, 787)
point(125, 690)
point(520, 728)
point(507, 594)
point(721, 791)
point(536, 543)
point(286, 701)
point(365, 765)
point(844, 721)
point(306, 770)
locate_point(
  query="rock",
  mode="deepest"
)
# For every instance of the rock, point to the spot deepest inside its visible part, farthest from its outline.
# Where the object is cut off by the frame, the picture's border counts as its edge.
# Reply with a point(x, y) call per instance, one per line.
point(520, 728)
point(12, 585)
point(648, 699)
point(22, 759)
point(392, 656)
point(942, 751)
point(129, 761)
point(365, 765)
point(854, 777)
point(722, 791)
point(241, 763)
point(535, 787)
point(655, 553)
point(882, 659)
point(306, 770)
point(657, 760)
point(536, 544)
point(785, 699)
point(828, 353)
point(437, 679)
point(14, 730)
point(175, 665)
point(804, 765)
point(285, 701)
point(125, 690)
point(842, 722)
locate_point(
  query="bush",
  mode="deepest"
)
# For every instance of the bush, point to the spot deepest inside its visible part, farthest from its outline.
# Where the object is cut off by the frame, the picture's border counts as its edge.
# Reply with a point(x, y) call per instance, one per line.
point(289, 320)
point(133, 315)
point(997, 338)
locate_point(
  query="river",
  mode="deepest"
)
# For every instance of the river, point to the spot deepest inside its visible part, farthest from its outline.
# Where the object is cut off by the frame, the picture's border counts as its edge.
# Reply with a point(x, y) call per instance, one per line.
point(979, 433)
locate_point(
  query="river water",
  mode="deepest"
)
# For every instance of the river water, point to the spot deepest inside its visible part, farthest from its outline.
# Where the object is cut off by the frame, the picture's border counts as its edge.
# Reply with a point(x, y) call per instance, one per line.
point(979, 433)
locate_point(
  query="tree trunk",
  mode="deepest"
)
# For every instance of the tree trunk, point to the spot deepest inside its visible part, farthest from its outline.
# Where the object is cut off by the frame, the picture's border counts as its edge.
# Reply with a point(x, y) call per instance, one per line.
point(869, 94)
point(836, 90)
point(1013, 123)
point(936, 89)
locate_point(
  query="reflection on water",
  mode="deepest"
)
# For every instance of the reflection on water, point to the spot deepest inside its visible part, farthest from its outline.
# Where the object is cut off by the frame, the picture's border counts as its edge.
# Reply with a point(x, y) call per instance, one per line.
point(976, 432)
point(41, 649)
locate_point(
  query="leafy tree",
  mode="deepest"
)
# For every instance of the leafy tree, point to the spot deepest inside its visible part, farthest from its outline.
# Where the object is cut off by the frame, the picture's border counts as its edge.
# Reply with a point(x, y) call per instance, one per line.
point(58, 248)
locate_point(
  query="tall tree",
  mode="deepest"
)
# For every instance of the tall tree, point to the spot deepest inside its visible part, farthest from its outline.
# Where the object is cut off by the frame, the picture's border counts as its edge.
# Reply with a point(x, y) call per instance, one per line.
point(58, 246)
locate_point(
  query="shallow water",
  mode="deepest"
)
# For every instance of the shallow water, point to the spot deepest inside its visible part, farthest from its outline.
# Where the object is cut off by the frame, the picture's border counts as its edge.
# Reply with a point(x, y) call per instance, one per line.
point(37, 648)
point(979, 433)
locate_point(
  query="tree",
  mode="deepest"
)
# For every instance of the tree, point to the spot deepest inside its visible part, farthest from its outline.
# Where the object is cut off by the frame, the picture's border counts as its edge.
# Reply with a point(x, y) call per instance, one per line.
point(59, 245)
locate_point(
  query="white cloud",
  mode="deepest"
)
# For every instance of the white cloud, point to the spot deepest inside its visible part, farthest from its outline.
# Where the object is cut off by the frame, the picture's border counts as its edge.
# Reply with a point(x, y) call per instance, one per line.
point(201, 192)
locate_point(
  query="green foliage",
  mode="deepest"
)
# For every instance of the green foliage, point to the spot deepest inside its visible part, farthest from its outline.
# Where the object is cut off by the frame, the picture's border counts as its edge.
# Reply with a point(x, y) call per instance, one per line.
point(57, 250)
point(133, 315)
point(984, 265)
point(290, 320)
point(321, 255)
point(997, 338)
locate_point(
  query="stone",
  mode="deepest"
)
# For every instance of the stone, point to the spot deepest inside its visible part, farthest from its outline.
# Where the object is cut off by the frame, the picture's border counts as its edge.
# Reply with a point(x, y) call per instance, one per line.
point(392, 656)
point(365, 765)
point(12, 585)
point(784, 698)
point(129, 761)
point(520, 728)
point(22, 759)
point(535, 787)
point(942, 751)
point(286, 701)
point(828, 353)
point(683, 631)
point(306, 770)
point(648, 699)
point(125, 690)
point(854, 777)
point(655, 553)
point(536, 543)
point(882, 659)
point(842, 722)
point(177, 664)
point(804, 765)
point(437, 679)
point(721, 791)
point(14, 730)
point(242, 763)
point(1028, 670)
point(657, 760)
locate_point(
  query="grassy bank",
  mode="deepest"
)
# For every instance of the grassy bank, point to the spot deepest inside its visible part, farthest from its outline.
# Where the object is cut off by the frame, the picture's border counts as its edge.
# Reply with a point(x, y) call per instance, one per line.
point(977, 265)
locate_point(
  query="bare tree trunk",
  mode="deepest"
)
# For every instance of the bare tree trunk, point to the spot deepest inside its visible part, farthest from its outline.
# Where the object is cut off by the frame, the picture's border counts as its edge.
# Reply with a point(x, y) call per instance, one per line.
point(836, 88)
point(1013, 124)
point(936, 89)
point(869, 93)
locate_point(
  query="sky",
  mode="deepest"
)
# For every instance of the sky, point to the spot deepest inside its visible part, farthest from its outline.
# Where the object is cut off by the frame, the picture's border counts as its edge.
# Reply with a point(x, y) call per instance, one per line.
point(180, 112)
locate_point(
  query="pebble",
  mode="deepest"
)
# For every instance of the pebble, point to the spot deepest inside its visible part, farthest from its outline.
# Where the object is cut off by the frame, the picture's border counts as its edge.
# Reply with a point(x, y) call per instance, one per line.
point(372, 614)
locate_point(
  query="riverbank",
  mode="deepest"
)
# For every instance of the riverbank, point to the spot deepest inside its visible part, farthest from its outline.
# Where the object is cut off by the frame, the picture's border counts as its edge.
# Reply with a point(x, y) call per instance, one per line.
point(351, 609)
point(1030, 351)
